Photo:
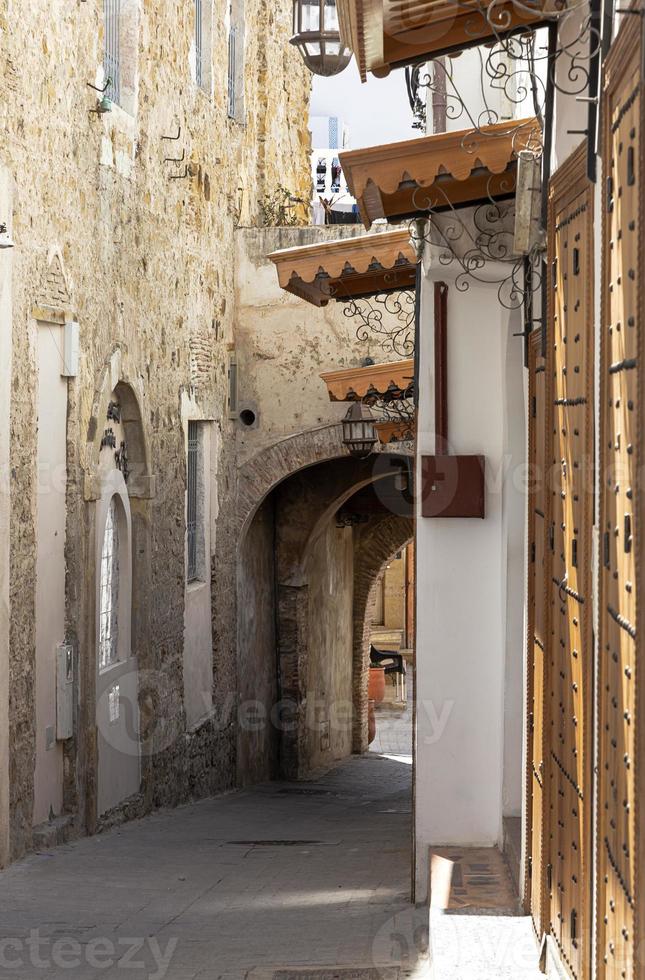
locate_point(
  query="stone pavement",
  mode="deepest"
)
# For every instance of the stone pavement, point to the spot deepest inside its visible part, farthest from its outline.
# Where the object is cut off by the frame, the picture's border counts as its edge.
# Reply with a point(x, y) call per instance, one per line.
point(272, 878)
point(258, 885)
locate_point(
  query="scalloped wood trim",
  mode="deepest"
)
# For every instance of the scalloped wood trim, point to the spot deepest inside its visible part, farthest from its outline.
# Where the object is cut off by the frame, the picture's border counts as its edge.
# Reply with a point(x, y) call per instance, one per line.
point(352, 383)
point(421, 161)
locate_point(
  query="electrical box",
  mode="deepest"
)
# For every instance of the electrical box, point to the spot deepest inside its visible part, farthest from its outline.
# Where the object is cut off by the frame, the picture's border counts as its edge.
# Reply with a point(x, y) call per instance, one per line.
point(71, 349)
point(453, 486)
point(64, 691)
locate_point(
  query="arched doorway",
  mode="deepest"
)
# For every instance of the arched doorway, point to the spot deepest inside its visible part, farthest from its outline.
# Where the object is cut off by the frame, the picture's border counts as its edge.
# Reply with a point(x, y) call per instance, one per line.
point(120, 487)
point(300, 706)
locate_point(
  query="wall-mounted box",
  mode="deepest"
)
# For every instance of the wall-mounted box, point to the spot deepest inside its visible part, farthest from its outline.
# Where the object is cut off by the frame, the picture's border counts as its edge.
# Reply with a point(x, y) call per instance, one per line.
point(64, 691)
point(453, 486)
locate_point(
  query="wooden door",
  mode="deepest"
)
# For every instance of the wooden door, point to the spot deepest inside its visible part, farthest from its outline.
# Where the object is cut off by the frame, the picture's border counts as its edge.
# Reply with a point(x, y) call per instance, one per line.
point(569, 669)
point(536, 634)
point(620, 732)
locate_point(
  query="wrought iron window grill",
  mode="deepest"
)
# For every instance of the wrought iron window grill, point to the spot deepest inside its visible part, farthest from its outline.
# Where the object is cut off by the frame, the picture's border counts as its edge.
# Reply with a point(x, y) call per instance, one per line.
point(232, 73)
point(199, 44)
point(112, 51)
point(109, 591)
point(191, 502)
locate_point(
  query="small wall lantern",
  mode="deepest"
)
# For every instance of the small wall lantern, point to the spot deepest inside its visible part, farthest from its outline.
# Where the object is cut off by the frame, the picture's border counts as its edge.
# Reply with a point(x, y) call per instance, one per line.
point(359, 431)
point(316, 35)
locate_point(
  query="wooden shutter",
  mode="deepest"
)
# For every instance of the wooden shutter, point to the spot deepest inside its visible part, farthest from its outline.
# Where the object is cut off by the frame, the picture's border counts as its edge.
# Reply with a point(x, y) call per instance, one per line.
point(620, 731)
point(536, 633)
point(570, 359)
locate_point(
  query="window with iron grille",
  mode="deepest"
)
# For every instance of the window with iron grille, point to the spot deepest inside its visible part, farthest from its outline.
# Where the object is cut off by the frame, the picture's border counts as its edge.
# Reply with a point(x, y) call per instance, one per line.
point(112, 54)
point(192, 503)
point(232, 73)
point(199, 43)
point(109, 591)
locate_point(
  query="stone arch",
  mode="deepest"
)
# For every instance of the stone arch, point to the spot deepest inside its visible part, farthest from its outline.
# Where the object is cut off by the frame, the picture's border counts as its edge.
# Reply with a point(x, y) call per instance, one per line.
point(119, 384)
point(115, 378)
point(271, 466)
point(377, 545)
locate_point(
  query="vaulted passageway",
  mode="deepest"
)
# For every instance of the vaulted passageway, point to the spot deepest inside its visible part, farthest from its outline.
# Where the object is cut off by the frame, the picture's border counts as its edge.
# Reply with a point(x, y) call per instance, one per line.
point(309, 560)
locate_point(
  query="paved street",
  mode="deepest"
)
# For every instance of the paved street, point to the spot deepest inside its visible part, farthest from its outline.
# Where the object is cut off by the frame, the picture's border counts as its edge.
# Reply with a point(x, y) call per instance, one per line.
point(280, 876)
point(313, 876)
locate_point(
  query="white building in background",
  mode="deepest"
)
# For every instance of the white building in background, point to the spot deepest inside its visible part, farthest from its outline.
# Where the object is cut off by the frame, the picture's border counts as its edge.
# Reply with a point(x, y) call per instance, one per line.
point(329, 137)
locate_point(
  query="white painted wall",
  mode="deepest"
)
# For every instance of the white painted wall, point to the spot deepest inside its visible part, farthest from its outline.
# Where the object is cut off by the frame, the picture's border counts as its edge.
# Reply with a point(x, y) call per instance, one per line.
point(5, 401)
point(50, 565)
point(464, 581)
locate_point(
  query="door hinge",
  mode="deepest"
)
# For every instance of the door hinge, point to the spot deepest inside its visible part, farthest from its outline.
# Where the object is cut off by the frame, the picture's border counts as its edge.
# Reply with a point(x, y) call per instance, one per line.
point(529, 867)
point(574, 925)
point(549, 877)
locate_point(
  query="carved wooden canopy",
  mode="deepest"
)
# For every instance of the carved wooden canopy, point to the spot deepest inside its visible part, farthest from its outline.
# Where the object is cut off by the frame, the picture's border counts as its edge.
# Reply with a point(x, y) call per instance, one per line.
point(349, 268)
point(393, 380)
point(399, 180)
point(385, 34)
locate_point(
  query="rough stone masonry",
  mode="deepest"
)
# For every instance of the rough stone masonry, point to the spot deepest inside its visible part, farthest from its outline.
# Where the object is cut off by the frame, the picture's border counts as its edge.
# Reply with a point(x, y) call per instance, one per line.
point(130, 233)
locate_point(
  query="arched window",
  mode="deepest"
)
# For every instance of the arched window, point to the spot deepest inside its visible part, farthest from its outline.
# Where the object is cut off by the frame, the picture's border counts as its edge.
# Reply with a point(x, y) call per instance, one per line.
point(109, 591)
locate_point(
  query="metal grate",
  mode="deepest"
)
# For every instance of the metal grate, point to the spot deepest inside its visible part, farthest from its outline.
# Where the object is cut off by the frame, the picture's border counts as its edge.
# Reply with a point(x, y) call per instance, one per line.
point(109, 592)
point(199, 44)
point(112, 59)
point(191, 505)
point(232, 71)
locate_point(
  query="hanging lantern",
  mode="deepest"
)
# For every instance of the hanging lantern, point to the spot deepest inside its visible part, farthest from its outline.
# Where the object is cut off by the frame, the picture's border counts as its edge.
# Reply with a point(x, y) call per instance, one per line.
point(316, 34)
point(359, 431)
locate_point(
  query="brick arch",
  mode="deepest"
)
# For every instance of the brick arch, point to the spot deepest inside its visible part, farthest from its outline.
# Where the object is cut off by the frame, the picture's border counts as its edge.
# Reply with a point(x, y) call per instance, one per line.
point(264, 471)
point(377, 545)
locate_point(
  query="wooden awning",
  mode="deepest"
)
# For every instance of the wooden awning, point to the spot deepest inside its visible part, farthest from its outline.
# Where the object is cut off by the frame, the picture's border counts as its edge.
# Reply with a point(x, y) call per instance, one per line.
point(396, 431)
point(348, 268)
point(385, 34)
point(400, 180)
point(392, 380)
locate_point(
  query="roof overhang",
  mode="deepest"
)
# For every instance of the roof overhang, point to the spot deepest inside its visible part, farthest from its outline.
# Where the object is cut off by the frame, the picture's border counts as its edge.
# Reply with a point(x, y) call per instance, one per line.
point(349, 268)
point(386, 34)
point(436, 173)
point(389, 381)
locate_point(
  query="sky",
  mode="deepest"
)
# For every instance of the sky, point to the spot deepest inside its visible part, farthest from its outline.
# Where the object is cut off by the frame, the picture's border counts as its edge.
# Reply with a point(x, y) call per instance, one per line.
point(375, 112)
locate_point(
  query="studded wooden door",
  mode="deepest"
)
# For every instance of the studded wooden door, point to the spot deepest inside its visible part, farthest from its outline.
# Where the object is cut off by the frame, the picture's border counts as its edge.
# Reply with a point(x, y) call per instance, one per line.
point(570, 359)
point(536, 633)
point(619, 854)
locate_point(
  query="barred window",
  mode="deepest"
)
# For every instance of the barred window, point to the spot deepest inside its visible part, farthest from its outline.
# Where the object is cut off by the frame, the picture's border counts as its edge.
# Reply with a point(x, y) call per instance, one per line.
point(192, 501)
point(199, 43)
point(112, 57)
point(232, 72)
point(109, 592)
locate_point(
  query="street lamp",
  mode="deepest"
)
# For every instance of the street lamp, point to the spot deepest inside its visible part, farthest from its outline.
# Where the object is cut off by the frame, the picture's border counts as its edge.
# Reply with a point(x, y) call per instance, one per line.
point(359, 431)
point(316, 34)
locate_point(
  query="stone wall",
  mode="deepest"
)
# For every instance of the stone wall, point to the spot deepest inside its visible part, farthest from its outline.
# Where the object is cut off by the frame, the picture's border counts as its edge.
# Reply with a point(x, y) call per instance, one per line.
point(285, 344)
point(145, 262)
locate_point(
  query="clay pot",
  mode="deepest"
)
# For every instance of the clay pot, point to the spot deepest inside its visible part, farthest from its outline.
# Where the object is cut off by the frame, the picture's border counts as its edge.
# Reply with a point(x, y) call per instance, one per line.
point(376, 687)
point(371, 723)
